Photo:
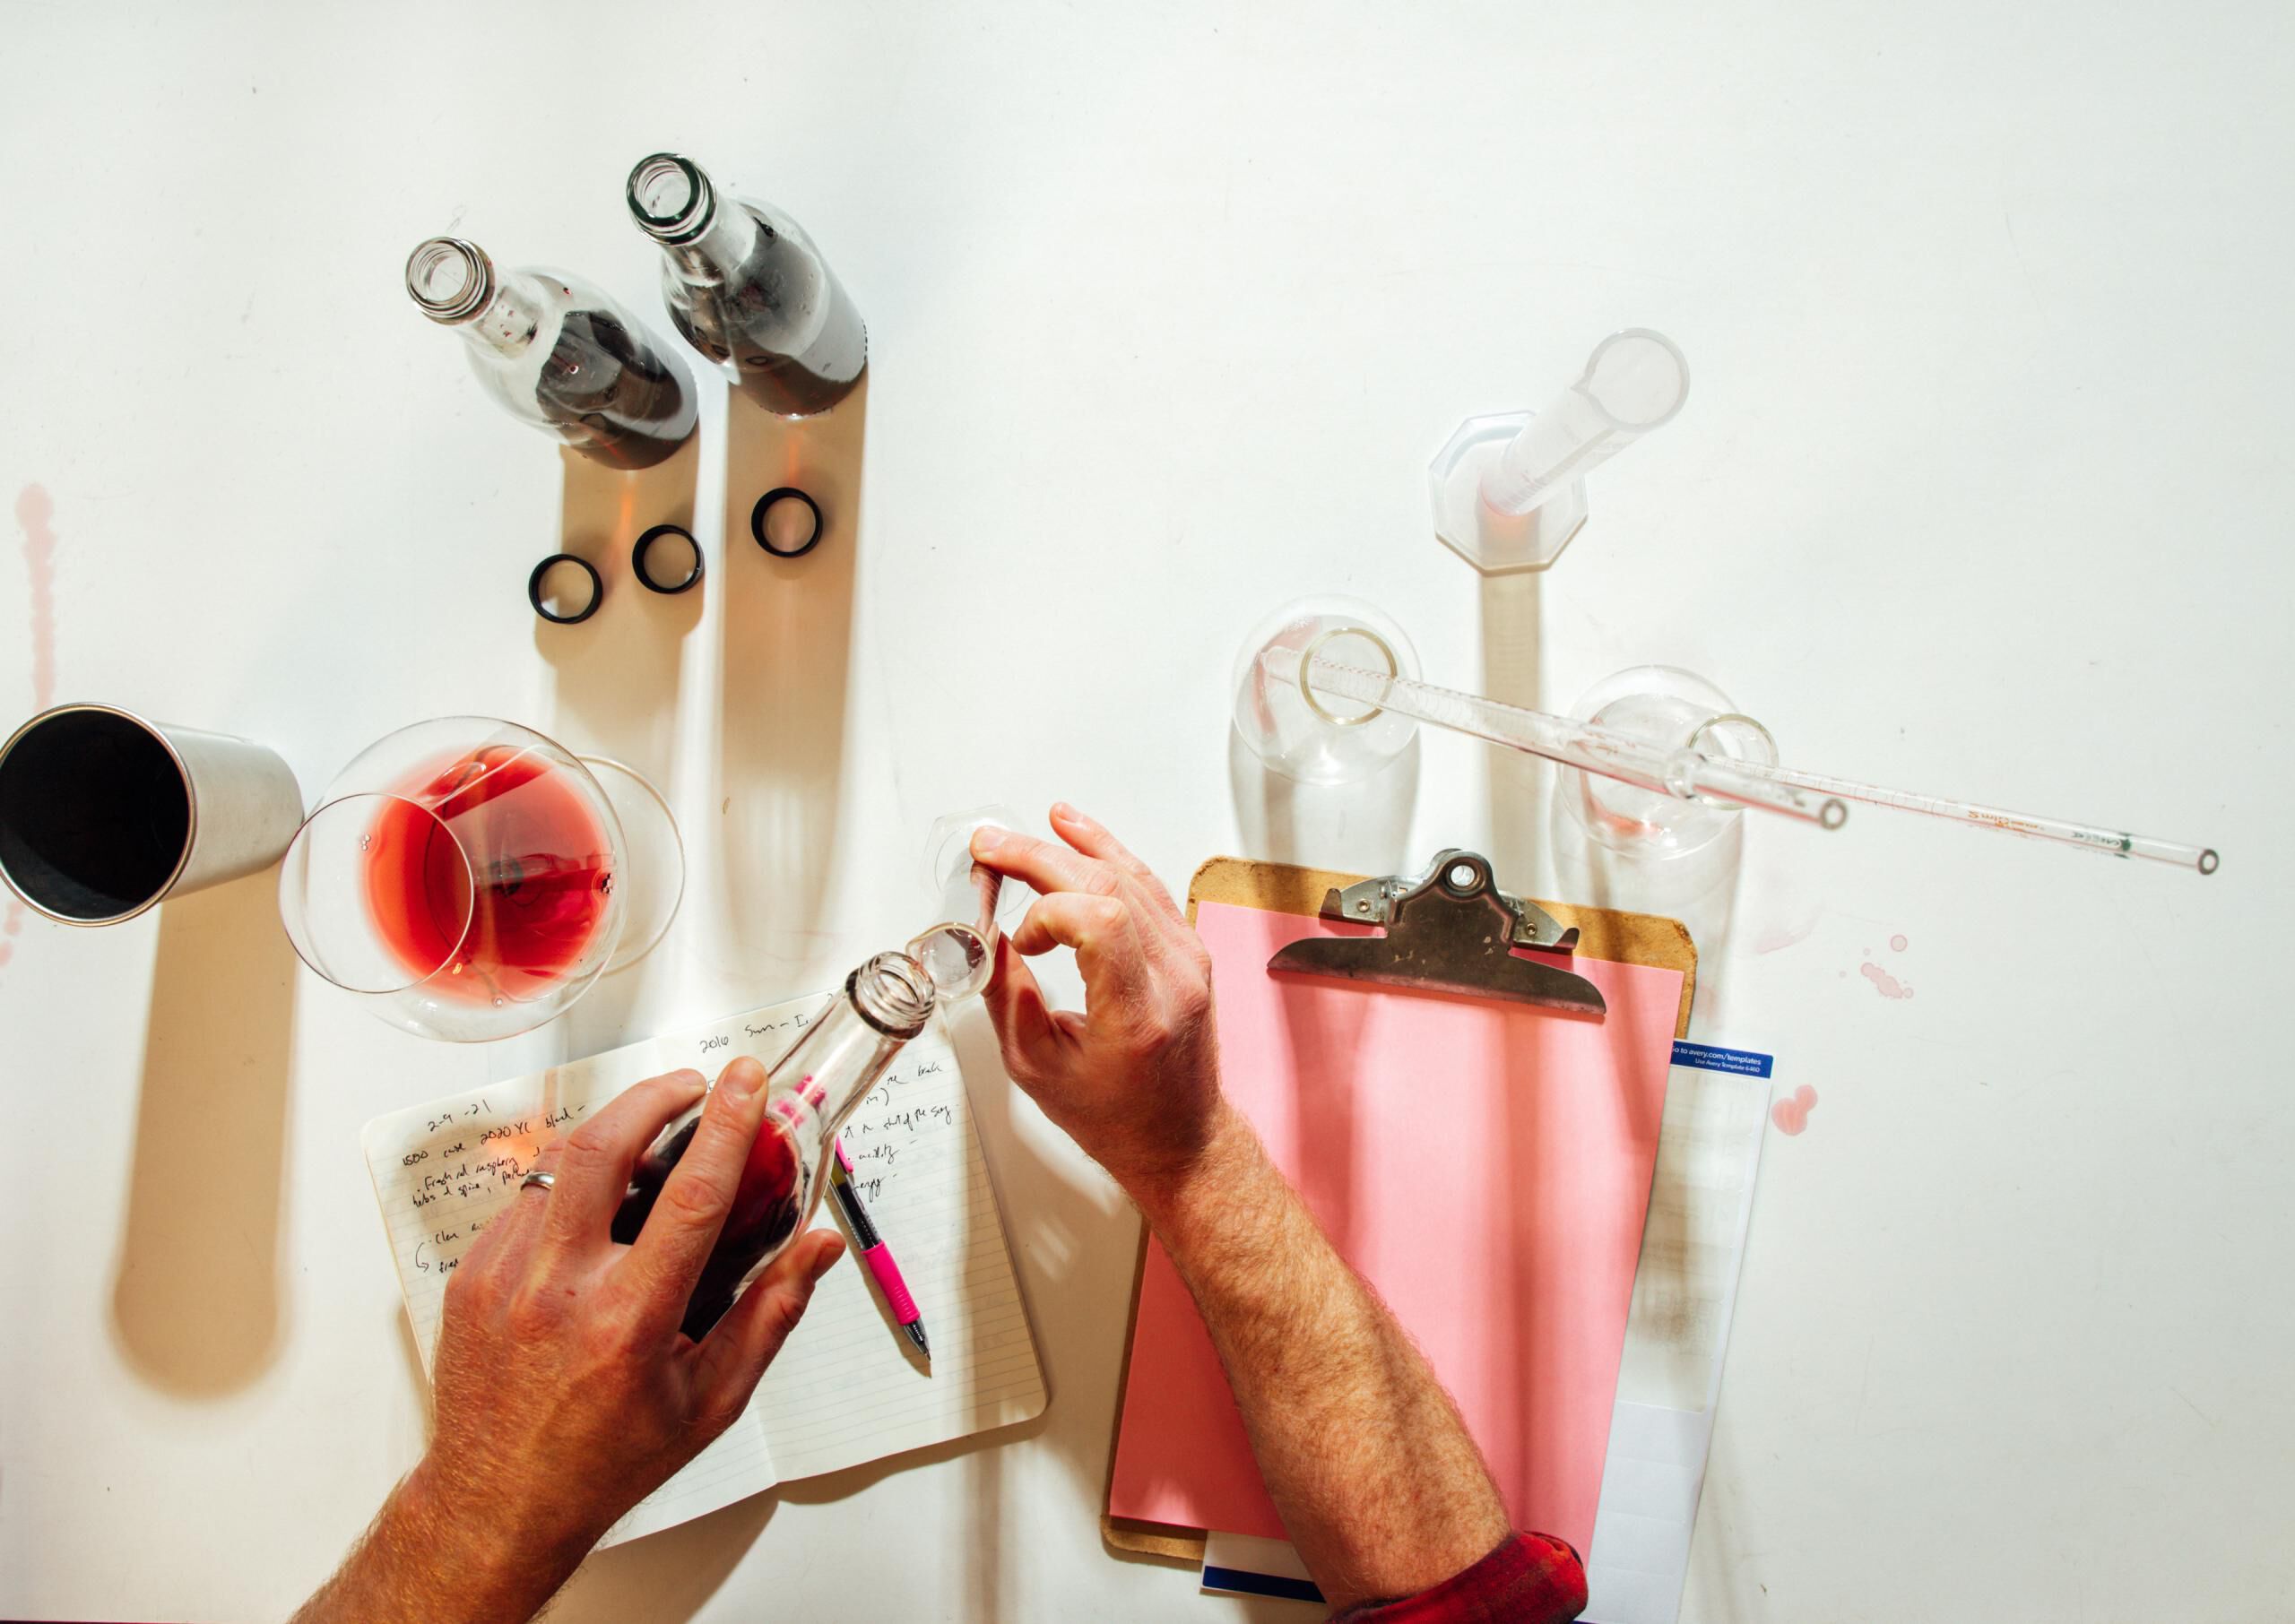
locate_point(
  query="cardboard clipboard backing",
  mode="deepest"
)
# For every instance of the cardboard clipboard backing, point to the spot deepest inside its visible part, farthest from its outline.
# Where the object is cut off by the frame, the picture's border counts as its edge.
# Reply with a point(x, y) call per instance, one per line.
point(1603, 933)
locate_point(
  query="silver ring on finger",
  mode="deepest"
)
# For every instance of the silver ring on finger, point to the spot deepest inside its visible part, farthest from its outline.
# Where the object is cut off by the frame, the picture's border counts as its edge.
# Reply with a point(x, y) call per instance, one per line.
point(538, 1180)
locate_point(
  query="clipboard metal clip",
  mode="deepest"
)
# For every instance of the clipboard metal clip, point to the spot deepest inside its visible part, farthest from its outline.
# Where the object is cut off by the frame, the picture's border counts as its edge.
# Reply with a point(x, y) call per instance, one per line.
point(1448, 929)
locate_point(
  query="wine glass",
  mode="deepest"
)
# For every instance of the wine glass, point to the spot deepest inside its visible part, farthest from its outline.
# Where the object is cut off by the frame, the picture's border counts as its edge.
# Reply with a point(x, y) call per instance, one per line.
point(470, 879)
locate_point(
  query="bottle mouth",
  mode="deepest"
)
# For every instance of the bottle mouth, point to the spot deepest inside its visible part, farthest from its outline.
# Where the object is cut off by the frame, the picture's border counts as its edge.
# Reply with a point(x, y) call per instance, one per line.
point(672, 200)
point(450, 279)
point(892, 994)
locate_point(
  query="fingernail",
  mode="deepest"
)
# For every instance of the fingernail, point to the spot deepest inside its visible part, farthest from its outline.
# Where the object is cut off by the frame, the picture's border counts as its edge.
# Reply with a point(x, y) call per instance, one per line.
point(986, 839)
point(829, 1254)
point(742, 1078)
point(1061, 808)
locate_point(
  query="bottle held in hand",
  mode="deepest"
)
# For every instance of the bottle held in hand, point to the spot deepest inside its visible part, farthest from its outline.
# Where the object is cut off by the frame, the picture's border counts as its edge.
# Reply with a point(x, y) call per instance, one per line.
point(559, 353)
point(746, 288)
point(808, 1095)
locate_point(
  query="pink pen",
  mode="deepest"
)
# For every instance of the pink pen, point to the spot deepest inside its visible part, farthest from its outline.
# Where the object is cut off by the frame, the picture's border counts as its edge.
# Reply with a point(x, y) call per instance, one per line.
point(875, 1253)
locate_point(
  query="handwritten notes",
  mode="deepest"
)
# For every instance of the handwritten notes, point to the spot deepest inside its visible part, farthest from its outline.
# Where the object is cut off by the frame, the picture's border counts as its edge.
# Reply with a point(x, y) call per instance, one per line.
point(846, 1389)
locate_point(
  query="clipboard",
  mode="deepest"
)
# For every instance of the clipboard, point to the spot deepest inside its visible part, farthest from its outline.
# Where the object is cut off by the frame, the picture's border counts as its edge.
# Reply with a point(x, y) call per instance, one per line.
point(1601, 933)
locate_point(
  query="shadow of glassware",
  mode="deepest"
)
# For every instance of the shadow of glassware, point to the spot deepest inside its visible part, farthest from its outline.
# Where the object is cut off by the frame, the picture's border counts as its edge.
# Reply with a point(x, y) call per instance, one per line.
point(196, 1293)
point(1362, 827)
point(1519, 785)
point(788, 634)
point(1699, 889)
point(617, 673)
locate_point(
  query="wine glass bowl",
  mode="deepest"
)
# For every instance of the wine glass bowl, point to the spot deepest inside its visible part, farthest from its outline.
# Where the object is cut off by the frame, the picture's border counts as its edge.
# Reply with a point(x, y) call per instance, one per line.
point(464, 875)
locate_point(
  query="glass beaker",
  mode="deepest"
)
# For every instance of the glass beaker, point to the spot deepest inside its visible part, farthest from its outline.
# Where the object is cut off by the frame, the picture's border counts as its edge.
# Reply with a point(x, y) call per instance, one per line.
point(1292, 730)
point(1674, 709)
point(467, 877)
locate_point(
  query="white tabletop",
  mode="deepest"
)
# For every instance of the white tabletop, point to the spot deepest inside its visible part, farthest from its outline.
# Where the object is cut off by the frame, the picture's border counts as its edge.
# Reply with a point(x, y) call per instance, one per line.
point(1980, 489)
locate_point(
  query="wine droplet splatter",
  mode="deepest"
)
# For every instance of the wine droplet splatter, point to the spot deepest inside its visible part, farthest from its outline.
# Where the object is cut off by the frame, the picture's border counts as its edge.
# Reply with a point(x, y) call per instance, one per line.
point(1792, 1114)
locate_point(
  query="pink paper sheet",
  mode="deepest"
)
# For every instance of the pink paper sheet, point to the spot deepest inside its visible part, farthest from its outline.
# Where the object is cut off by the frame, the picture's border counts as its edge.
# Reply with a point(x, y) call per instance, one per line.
point(1485, 1166)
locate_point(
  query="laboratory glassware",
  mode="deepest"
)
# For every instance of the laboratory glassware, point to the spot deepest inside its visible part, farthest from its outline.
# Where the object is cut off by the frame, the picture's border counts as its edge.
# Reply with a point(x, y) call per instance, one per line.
point(1728, 758)
point(1509, 489)
point(1314, 735)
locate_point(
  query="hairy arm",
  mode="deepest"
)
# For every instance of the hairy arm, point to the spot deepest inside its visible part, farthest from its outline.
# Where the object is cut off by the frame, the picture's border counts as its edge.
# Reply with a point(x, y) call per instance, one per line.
point(1363, 1454)
point(1379, 1484)
point(563, 1390)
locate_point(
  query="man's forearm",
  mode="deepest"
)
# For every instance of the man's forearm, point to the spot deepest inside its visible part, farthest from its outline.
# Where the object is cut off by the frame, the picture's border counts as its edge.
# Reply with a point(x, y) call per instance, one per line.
point(424, 1561)
point(1380, 1488)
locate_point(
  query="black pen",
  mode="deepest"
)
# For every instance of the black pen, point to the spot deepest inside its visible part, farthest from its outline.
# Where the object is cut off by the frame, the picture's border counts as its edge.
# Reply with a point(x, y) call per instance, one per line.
point(875, 1253)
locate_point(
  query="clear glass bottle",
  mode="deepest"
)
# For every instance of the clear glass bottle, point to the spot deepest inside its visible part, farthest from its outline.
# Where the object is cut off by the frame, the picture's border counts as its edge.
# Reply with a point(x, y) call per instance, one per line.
point(809, 1093)
point(559, 353)
point(746, 288)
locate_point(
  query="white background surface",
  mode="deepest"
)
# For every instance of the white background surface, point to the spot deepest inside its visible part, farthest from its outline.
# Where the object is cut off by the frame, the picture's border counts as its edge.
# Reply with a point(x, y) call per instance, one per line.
point(1981, 489)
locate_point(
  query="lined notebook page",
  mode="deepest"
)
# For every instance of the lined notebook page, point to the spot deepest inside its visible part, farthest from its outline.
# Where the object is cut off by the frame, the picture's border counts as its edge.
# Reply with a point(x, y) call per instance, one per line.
point(844, 1389)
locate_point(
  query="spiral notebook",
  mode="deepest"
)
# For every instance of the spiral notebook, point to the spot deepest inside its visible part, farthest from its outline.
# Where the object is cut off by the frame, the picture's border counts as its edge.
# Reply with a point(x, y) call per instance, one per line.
point(845, 1390)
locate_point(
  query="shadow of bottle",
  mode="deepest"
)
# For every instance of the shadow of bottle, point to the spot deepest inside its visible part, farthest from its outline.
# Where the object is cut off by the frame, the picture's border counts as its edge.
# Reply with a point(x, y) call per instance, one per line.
point(788, 636)
point(615, 673)
point(196, 1294)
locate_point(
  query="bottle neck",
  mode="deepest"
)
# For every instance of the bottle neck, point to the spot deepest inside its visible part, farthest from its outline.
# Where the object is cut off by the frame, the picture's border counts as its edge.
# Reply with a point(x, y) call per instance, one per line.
point(454, 283)
point(884, 1003)
point(708, 238)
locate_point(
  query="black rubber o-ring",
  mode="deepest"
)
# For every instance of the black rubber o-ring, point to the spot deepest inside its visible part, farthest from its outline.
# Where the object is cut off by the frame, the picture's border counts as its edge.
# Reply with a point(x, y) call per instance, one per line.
point(780, 494)
point(597, 589)
point(645, 545)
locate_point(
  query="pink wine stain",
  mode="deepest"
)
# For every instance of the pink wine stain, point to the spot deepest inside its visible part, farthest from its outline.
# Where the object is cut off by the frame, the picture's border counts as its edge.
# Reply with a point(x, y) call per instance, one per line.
point(1792, 1115)
point(34, 509)
point(1898, 943)
point(1885, 984)
point(1777, 938)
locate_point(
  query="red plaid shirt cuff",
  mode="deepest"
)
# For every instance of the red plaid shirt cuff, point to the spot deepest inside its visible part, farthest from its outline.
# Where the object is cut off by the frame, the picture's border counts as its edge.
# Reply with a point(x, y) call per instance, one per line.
point(1531, 1579)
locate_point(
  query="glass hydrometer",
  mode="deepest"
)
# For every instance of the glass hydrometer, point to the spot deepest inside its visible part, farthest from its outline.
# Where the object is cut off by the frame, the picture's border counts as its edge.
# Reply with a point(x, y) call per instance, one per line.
point(1688, 772)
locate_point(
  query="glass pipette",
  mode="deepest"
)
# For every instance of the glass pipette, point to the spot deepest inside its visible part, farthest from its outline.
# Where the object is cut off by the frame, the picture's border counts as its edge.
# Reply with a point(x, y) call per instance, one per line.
point(1682, 773)
point(2087, 837)
point(1621, 756)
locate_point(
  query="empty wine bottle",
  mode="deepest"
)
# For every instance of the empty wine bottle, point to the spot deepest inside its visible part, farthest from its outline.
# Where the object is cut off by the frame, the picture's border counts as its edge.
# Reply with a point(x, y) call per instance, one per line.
point(559, 353)
point(809, 1095)
point(746, 288)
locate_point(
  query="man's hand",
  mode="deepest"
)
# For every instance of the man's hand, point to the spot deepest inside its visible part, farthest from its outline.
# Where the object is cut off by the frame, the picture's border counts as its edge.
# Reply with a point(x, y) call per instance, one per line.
point(1377, 1481)
point(565, 1391)
point(1135, 1078)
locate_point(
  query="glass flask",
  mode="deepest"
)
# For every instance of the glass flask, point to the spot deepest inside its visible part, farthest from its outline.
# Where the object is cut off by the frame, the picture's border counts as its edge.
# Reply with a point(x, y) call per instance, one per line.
point(810, 1093)
point(558, 353)
point(746, 288)
point(468, 878)
point(975, 904)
